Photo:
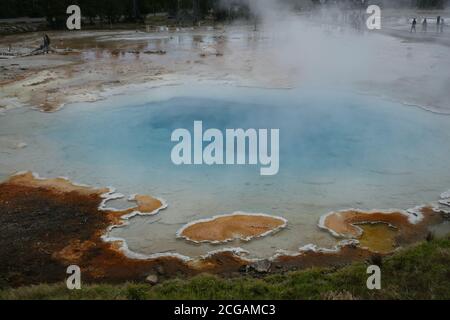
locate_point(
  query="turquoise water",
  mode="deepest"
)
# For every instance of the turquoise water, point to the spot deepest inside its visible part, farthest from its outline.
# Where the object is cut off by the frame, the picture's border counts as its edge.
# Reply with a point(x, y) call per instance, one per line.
point(336, 151)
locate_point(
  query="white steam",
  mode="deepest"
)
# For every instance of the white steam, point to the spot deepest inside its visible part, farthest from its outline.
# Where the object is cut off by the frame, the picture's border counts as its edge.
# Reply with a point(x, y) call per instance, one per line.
point(319, 48)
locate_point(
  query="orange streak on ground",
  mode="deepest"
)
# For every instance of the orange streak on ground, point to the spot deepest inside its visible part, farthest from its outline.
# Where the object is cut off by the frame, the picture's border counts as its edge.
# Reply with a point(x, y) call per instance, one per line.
point(346, 224)
point(238, 226)
point(58, 185)
point(147, 204)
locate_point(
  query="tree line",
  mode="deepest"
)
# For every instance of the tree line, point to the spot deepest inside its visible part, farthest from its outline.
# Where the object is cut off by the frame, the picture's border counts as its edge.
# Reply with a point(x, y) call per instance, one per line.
point(104, 9)
point(439, 4)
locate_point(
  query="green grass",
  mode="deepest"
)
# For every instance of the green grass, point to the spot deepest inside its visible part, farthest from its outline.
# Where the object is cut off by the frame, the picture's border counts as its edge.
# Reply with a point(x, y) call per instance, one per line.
point(420, 272)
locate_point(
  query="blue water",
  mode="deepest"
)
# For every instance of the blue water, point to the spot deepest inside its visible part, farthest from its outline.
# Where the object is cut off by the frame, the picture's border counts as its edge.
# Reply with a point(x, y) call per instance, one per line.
point(336, 151)
point(318, 137)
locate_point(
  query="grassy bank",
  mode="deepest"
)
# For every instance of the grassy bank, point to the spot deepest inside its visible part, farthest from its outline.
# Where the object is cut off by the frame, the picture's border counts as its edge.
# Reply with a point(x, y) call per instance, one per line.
point(420, 272)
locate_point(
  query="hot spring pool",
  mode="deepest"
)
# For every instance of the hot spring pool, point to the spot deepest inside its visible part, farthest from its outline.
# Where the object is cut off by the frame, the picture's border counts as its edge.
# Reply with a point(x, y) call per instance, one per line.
point(337, 151)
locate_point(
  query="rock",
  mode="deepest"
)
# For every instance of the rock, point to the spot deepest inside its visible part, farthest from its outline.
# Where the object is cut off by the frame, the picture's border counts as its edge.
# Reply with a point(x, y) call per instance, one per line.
point(152, 279)
point(159, 270)
point(261, 266)
point(244, 269)
point(21, 145)
point(155, 52)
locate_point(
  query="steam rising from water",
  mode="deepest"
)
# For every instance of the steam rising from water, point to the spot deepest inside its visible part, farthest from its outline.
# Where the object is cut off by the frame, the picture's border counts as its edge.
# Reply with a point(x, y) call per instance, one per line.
point(324, 48)
point(314, 49)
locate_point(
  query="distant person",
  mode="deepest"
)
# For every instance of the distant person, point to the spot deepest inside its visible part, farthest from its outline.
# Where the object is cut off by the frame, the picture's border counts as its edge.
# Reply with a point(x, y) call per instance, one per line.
point(413, 25)
point(424, 25)
point(46, 45)
point(442, 26)
point(438, 22)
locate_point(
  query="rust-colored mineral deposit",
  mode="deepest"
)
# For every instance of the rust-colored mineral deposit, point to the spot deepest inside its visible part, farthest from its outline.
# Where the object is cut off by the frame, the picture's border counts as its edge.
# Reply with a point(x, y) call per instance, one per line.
point(226, 228)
